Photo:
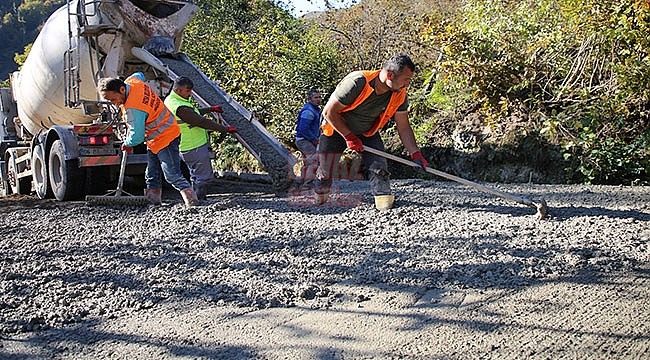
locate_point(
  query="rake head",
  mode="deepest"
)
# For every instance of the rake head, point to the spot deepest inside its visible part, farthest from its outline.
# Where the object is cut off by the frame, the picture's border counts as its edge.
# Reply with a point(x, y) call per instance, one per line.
point(109, 200)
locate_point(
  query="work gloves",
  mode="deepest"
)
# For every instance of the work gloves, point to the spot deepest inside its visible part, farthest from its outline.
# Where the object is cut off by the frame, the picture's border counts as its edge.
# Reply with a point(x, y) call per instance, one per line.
point(420, 160)
point(353, 142)
point(216, 108)
point(128, 149)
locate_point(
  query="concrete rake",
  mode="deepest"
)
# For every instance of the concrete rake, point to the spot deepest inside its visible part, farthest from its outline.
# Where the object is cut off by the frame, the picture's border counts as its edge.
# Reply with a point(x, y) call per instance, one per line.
point(542, 208)
point(119, 196)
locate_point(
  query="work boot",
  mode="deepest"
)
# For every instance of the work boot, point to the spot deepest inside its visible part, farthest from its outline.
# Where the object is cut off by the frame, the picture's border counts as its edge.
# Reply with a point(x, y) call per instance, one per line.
point(154, 195)
point(321, 191)
point(201, 191)
point(189, 197)
point(320, 199)
point(384, 202)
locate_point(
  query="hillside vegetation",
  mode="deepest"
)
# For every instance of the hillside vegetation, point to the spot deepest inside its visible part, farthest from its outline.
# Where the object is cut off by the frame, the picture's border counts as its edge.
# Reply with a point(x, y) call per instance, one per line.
point(21, 22)
point(572, 75)
point(544, 90)
point(534, 90)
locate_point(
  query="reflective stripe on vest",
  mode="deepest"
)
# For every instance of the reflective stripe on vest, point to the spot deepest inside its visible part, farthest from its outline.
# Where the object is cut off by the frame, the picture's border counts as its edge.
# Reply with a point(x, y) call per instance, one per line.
point(394, 103)
point(160, 125)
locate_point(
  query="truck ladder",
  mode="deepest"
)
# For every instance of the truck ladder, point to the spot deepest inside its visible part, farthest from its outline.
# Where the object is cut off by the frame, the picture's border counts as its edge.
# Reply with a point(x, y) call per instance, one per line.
point(72, 57)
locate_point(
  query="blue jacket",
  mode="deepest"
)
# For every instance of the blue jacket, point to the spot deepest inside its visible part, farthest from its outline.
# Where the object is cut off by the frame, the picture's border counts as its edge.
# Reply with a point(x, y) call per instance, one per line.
point(308, 126)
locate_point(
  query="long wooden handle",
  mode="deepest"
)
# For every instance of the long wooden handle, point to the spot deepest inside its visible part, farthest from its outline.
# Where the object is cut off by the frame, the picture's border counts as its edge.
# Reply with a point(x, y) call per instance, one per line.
point(443, 174)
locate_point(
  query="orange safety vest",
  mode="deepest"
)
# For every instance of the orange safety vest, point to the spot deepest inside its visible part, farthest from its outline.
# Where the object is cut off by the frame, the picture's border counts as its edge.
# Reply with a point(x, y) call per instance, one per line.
point(160, 127)
point(395, 102)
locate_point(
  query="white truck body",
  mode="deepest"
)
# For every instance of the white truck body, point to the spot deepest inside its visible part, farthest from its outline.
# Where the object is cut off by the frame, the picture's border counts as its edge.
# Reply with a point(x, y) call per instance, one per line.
point(55, 91)
point(39, 86)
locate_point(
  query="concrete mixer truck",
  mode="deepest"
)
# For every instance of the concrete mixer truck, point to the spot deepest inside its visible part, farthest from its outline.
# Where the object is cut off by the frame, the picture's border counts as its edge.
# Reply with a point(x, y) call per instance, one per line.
point(59, 139)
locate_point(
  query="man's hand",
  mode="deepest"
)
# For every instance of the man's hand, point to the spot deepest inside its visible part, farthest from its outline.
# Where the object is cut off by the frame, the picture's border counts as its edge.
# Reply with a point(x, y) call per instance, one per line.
point(216, 108)
point(315, 142)
point(353, 142)
point(128, 149)
point(231, 129)
point(420, 160)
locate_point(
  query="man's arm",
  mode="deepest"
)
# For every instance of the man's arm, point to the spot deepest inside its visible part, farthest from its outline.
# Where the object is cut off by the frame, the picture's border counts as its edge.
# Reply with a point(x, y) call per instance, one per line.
point(304, 121)
point(135, 120)
point(406, 132)
point(190, 117)
point(209, 109)
point(333, 114)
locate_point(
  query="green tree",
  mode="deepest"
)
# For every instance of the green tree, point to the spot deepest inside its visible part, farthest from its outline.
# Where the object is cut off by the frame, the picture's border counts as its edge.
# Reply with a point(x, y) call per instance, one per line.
point(266, 59)
point(574, 71)
point(370, 32)
point(21, 22)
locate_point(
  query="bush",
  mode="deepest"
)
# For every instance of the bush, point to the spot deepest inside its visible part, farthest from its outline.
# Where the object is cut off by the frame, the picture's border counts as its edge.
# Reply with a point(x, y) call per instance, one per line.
point(577, 70)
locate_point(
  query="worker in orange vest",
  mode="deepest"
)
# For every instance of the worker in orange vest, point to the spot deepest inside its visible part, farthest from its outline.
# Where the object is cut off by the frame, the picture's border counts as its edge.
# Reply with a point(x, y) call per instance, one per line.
point(149, 121)
point(361, 105)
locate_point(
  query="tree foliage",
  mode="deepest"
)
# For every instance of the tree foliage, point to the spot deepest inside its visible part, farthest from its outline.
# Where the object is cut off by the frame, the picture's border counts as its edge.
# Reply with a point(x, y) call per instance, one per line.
point(577, 71)
point(265, 58)
point(21, 22)
point(373, 30)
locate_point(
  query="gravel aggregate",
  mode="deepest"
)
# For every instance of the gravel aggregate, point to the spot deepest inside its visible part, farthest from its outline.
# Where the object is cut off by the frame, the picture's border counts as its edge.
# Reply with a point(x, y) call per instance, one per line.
point(69, 263)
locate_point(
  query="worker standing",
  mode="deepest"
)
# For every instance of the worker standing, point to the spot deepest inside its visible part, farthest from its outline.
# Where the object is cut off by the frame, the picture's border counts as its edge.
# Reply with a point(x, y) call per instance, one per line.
point(307, 134)
point(195, 145)
point(149, 121)
point(361, 105)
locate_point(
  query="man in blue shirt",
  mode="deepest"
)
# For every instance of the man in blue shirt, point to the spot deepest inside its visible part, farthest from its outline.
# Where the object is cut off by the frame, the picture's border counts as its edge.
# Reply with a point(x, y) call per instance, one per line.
point(307, 134)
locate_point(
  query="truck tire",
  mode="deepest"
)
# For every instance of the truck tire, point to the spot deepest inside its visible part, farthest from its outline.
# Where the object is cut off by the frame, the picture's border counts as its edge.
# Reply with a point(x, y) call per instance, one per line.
point(39, 174)
point(22, 186)
point(66, 178)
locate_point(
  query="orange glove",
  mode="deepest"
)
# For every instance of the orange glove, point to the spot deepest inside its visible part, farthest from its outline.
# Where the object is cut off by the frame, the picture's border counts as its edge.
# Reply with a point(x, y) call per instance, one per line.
point(353, 142)
point(128, 149)
point(231, 129)
point(216, 108)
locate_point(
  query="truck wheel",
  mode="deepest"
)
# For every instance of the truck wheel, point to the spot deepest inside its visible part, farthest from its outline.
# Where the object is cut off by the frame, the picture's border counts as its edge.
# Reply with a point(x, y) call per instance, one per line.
point(39, 174)
point(17, 185)
point(66, 178)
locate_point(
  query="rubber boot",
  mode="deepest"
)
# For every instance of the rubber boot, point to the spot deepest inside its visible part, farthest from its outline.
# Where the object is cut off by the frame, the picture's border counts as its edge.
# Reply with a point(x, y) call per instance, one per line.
point(154, 196)
point(189, 197)
point(384, 202)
